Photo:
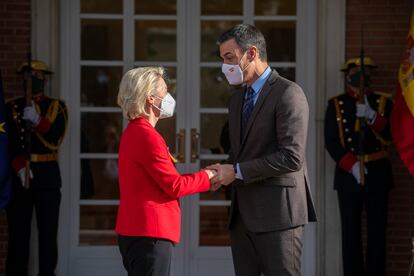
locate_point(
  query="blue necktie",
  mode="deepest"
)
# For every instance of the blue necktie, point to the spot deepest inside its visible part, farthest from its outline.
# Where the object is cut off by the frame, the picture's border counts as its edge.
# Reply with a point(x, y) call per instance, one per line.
point(248, 106)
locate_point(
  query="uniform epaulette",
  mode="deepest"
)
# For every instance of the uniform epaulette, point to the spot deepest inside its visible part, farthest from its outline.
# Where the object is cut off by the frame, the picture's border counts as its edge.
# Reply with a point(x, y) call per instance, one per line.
point(337, 96)
point(387, 95)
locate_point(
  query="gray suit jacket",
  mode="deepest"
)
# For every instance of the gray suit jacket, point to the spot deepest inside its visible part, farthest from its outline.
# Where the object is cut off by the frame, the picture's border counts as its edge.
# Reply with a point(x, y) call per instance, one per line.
point(274, 193)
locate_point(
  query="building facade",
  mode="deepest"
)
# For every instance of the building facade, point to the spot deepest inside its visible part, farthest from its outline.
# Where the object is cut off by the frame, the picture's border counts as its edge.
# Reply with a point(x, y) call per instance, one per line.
point(89, 44)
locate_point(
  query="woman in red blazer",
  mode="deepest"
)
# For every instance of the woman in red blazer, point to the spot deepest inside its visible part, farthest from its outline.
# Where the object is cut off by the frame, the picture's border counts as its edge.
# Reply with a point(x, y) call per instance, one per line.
point(148, 221)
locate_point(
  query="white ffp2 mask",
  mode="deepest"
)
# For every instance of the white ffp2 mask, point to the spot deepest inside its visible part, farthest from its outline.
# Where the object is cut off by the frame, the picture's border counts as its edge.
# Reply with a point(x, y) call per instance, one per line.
point(167, 106)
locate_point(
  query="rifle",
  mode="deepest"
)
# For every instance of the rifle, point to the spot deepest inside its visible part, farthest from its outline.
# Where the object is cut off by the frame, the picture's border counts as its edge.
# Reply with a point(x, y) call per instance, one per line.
point(28, 125)
point(361, 121)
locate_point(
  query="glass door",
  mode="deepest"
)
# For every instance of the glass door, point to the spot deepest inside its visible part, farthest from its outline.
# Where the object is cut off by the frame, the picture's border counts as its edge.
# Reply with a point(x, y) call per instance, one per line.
point(108, 39)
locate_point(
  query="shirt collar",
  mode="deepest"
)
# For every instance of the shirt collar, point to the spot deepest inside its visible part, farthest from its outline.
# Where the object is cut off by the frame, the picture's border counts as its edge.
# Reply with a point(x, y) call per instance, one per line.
point(259, 83)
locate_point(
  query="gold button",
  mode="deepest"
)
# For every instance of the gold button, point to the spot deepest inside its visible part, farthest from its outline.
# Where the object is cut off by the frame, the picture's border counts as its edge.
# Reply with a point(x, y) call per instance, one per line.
point(21, 137)
point(352, 149)
point(342, 111)
point(349, 139)
point(341, 102)
point(346, 129)
point(344, 120)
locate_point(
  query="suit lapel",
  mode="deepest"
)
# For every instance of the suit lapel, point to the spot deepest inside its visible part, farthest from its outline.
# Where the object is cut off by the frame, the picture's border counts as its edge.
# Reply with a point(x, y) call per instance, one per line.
point(259, 103)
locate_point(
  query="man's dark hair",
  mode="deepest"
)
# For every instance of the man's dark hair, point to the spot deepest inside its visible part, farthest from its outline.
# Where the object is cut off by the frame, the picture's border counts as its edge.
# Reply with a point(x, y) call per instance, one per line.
point(246, 36)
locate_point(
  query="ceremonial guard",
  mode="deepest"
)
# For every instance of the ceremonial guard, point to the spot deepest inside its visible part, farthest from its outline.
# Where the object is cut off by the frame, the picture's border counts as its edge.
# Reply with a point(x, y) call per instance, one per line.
point(357, 135)
point(37, 124)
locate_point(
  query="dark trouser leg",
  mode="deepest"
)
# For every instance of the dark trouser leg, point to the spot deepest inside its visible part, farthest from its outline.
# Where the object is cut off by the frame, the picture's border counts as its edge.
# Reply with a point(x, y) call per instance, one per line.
point(245, 258)
point(280, 251)
point(47, 204)
point(145, 256)
point(350, 205)
point(19, 217)
point(376, 206)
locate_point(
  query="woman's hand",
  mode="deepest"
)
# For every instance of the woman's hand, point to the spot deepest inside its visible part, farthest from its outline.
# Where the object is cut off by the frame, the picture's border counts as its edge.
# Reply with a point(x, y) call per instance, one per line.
point(210, 173)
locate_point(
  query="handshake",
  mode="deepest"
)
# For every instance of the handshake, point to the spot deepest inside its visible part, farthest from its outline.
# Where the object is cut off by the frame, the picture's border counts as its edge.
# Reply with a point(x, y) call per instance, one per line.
point(220, 174)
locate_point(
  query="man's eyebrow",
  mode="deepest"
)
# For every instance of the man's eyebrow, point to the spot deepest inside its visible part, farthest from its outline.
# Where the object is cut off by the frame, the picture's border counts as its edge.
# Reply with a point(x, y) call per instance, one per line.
point(227, 54)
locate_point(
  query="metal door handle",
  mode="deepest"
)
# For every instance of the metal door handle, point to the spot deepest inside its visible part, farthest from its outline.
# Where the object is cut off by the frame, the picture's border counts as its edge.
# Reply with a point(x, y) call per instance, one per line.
point(181, 145)
point(195, 141)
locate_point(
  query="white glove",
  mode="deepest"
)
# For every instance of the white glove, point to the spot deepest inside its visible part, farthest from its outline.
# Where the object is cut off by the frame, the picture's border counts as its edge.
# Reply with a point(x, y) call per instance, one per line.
point(355, 170)
point(365, 110)
point(30, 114)
point(22, 175)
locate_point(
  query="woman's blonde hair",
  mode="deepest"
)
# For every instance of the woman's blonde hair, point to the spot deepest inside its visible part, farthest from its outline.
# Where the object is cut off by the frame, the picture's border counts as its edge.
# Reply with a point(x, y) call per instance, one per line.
point(135, 87)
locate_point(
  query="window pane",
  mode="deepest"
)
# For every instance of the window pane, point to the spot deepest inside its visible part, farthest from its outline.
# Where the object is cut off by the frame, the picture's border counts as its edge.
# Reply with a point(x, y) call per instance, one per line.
point(155, 40)
point(101, 39)
point(215, 90)
point(225, 7)
point(99, 179)
point(288, 73)
point(156, 7)
point(280, 40)
point(210, 32)
point(99, 85)
point(213, 226)
point(275, 7)
point(97, 224)
point(101, 6)
point(213, 127)
point(100, 132)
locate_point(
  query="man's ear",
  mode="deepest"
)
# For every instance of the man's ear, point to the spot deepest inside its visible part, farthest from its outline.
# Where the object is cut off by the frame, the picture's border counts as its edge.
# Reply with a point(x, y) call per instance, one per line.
point(252, 53)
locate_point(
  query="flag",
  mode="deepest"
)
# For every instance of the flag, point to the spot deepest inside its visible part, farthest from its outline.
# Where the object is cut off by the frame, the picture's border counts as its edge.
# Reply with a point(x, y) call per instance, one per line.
point(402, 115)
point(5, 179)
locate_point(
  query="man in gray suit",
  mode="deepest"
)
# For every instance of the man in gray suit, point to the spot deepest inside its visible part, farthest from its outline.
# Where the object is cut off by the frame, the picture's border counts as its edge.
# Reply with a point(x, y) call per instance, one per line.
point(268, 123)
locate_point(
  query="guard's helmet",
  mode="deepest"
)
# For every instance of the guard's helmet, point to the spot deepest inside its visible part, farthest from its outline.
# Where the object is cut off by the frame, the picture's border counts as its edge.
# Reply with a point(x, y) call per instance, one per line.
point(35, 65)
point(353, 62)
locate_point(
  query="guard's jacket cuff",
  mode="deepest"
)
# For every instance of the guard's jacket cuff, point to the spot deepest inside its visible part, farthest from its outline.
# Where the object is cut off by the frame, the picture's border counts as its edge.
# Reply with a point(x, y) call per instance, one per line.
point(43, 126)
point(18, 163)
point(379, 123)
point(347, 162)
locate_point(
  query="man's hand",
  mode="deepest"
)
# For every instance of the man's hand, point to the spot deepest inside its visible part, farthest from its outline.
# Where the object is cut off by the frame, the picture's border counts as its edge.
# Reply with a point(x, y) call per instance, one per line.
point(355, 170)
point(22, 175)
point(365, 110)
point(30, 114)
point(225, 175)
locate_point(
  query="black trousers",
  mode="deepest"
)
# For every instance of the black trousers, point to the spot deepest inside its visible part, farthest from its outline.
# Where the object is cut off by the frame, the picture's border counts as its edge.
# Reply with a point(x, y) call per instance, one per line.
point(275, 253)
point(19, 217)
point(145, 256)
point(351, 205)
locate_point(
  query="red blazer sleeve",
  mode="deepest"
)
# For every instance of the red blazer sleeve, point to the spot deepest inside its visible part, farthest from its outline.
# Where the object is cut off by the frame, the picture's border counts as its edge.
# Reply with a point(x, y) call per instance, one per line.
point(157, 162)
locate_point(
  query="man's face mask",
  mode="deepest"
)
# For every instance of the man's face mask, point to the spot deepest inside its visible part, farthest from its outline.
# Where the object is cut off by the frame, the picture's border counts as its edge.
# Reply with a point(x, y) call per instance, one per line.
point(234, 73)
point(38, 85)
point(167, 106)
point(355, 79)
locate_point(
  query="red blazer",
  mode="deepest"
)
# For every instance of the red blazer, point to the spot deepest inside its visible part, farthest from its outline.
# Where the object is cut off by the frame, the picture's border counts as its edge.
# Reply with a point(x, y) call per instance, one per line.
point(150, 185)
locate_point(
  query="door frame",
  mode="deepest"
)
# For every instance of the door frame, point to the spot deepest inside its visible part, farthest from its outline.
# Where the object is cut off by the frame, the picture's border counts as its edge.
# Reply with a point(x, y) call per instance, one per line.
point(322, 57)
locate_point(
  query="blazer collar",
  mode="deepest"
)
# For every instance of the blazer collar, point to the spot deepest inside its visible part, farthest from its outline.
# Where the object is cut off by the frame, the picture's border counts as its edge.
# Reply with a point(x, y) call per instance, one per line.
point(262, 96)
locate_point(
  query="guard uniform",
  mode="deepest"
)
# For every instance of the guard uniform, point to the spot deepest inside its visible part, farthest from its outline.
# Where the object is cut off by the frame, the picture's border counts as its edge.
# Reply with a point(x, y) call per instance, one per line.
point(342, 141)
point(43, 193)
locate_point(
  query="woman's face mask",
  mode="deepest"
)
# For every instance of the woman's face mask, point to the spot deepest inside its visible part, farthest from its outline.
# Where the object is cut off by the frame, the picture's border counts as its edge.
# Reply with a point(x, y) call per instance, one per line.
point(167, 106)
